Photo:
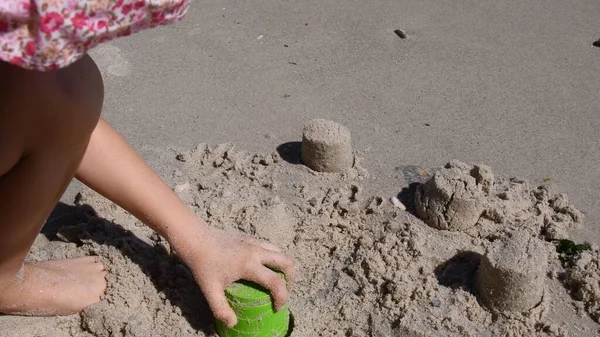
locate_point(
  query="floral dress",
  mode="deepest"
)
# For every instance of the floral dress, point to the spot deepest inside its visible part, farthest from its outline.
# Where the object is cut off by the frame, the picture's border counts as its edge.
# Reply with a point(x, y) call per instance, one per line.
point(50, 34)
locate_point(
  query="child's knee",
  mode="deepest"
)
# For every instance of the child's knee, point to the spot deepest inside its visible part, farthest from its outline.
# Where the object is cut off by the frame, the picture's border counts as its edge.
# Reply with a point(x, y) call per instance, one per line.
point(84, 81)
point(82, 93)
point(50, 109)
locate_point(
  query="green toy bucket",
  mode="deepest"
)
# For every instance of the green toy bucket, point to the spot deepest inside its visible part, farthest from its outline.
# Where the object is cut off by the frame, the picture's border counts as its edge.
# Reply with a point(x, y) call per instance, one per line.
point(256, 316)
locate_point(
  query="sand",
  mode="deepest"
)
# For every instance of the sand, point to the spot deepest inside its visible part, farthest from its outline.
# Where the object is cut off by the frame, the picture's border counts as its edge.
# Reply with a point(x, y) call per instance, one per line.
point(326, 146)
point(582, 278)
point(512, 273)
point(454, 199)
point(366, 268)
point(468, 198)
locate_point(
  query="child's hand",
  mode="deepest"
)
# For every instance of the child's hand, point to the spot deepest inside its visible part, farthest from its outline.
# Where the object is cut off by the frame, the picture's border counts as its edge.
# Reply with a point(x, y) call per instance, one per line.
point(216, 258)
point(220, 258)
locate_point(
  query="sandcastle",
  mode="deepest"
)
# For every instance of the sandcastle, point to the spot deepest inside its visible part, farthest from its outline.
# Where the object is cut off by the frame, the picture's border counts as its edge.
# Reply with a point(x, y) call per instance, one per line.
point(511, 275)
point(461, 197)
point(454, 199)
point(326, 146)
point(468, 198)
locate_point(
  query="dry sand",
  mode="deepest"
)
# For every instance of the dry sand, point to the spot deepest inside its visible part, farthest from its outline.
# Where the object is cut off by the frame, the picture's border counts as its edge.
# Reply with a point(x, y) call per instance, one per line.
point(512, 273)
point(326, 146)
point(365, 267)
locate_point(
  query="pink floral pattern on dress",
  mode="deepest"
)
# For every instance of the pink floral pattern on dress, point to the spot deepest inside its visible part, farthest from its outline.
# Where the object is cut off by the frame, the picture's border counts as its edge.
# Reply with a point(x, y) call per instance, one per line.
point(50, 34)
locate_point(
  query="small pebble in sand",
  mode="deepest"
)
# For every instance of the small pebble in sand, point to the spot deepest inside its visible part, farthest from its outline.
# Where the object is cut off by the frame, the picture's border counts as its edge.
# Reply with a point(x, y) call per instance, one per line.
point(397, 203)
point(326, 146)
point(182, 188)
point(401, 33)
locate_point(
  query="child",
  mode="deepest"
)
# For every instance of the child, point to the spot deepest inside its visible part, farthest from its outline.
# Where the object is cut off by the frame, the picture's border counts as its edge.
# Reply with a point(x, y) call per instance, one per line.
point(51, 95)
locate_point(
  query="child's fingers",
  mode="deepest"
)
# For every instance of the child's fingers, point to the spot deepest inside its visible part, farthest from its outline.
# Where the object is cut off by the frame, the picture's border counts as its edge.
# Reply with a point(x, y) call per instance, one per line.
point(281, 262)
point(270, 280)
point(215, 296)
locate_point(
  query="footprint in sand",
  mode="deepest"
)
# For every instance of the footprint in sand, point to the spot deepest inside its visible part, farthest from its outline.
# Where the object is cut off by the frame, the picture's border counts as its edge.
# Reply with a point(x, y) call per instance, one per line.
point(111, 60)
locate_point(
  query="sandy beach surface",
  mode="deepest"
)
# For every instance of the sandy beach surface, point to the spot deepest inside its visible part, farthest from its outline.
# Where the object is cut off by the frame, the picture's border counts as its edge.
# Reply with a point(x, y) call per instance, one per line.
point(511, 85)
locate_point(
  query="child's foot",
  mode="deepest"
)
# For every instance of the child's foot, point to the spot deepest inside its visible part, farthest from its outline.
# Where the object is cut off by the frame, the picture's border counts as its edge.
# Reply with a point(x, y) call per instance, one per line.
point(57, 287)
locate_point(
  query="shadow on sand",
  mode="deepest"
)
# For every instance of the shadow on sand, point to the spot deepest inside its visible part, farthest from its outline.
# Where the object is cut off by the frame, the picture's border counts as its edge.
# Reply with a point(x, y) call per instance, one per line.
point(459, 271)
point(166, 272)
point(290, 152)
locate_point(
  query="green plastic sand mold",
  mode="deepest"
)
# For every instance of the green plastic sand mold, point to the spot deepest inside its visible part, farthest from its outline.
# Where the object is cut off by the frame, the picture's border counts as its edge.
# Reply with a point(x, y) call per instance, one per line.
point(255, 312)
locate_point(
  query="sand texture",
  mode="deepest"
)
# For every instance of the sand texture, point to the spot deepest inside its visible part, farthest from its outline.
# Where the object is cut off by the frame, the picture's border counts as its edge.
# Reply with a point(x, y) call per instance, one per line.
point(326, 146)
point(454, 199)
point(365, 267)
point(582, 277)
point(468, 198)
point(511, 274)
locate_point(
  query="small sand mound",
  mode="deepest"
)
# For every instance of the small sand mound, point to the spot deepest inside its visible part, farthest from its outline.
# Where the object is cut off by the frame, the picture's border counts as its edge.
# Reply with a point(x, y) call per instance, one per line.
point(583, 278)
point(454, 199)
point(326, 146)
point(468, 198)
point(512, 273)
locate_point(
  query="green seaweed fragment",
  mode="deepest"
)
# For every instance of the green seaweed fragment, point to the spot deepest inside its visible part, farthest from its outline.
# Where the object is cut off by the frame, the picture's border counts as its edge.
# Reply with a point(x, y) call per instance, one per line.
point(570, 248)
point(547, 180)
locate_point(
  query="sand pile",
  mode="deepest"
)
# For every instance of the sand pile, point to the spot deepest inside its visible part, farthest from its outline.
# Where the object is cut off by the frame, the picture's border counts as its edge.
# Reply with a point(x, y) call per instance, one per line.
point(469, 198)
point(365, 267)
point(326, 146)
point(582, 276)
point(512, 273)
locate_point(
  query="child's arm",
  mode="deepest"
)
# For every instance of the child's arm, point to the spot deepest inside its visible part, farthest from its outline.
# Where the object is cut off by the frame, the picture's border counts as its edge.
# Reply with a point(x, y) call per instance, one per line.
point(113, 169)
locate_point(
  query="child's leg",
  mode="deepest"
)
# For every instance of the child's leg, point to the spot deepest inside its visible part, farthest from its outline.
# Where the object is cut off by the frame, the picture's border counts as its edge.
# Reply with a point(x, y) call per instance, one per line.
point(46, 120)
